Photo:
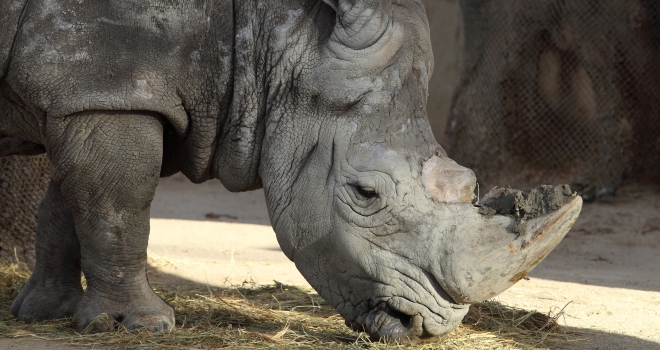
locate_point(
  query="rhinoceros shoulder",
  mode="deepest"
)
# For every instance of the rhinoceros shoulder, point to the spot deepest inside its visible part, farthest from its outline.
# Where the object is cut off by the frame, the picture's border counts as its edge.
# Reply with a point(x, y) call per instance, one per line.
point(70, 55)
point(171, 57)
point(10, 13)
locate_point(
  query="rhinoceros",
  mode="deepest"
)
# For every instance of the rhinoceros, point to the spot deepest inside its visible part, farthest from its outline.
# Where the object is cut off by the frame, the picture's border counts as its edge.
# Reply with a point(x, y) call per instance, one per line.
point(321, 103)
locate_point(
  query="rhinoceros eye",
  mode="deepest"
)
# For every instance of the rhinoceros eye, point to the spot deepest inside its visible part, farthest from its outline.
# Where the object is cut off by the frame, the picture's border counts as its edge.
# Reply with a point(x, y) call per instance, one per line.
point(366, 193)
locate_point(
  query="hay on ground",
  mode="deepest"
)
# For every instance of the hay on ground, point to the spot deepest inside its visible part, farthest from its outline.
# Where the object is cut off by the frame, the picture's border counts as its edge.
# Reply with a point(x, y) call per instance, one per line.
point(277, 317)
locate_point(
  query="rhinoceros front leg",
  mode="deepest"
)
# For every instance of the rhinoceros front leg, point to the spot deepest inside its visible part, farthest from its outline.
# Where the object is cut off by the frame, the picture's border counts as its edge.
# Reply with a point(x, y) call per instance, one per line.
point(54, 288)
point(107, 165)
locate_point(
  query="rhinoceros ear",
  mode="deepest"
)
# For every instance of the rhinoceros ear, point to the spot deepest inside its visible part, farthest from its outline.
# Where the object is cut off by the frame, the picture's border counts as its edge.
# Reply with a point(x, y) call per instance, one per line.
point(360, 23)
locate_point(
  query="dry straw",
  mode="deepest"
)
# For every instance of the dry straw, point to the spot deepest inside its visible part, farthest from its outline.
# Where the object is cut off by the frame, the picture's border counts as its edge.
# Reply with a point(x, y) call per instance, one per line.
point(277, 317)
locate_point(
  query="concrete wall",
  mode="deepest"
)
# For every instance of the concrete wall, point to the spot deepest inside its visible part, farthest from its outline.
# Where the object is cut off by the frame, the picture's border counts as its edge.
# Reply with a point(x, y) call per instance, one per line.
point(444, 18)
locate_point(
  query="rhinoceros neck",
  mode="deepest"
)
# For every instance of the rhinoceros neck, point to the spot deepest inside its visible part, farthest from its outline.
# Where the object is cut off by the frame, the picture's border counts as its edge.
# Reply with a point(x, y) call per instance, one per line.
point(236, 158)
point(259, 75)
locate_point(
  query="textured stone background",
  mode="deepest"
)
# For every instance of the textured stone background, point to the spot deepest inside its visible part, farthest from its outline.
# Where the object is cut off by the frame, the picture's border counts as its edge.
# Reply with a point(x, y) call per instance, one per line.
point(444, 18)
point(23, 182)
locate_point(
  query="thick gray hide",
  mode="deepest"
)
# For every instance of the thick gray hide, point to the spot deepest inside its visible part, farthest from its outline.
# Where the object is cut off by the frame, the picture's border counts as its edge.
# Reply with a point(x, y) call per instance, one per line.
point(320, 102)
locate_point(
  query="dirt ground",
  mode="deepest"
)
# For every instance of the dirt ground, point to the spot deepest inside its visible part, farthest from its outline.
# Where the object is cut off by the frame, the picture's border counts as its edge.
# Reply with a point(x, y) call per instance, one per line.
point(605, 273)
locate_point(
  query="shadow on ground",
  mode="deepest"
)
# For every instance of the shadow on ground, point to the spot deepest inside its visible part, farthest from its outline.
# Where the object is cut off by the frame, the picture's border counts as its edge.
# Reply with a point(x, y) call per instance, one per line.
point(612, 244)
point(178, 198)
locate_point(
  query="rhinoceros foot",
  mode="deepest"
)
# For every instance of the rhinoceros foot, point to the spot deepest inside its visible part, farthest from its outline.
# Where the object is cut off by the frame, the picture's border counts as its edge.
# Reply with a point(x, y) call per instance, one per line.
point(101, 312)
point(38, 302)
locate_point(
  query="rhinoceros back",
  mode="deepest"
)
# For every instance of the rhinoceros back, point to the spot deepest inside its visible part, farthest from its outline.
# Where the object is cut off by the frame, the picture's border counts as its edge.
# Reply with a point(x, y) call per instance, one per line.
point(168, 57)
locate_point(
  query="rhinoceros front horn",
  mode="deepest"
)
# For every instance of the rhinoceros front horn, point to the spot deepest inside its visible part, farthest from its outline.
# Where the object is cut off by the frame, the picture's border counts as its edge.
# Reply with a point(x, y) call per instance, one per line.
point(495, 243)
point(505, 237)
point(360, 23)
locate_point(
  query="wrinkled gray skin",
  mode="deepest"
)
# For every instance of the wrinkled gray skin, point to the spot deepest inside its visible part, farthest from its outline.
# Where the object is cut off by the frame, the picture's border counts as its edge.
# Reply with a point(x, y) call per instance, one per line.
point(320, 102)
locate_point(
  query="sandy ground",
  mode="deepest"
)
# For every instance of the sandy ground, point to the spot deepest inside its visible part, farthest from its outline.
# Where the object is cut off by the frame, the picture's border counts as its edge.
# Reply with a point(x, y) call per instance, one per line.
point(606, 272)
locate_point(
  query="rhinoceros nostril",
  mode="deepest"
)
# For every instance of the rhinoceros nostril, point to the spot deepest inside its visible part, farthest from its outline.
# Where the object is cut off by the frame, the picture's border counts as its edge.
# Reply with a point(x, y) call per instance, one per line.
point(386, 323)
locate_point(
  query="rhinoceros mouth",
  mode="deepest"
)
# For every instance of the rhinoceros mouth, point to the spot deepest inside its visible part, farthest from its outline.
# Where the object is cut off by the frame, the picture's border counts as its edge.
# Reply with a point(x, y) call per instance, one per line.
point(385, 322)
point(398, 319)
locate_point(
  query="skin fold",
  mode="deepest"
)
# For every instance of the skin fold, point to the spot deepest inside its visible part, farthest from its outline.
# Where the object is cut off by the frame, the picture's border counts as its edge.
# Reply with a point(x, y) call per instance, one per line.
point(321, 103)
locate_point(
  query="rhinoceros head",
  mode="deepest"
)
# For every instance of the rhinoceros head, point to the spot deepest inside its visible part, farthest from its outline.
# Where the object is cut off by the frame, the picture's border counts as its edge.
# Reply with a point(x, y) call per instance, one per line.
point(365, 202)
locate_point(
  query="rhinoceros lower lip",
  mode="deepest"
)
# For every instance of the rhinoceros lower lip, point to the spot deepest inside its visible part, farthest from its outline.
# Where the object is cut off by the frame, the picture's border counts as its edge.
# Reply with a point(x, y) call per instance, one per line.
point(389, 323)
point(385, 322)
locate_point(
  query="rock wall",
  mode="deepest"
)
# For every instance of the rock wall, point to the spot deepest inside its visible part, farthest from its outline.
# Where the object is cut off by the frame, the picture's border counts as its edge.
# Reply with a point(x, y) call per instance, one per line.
point(444, 18)
point(23, 183)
